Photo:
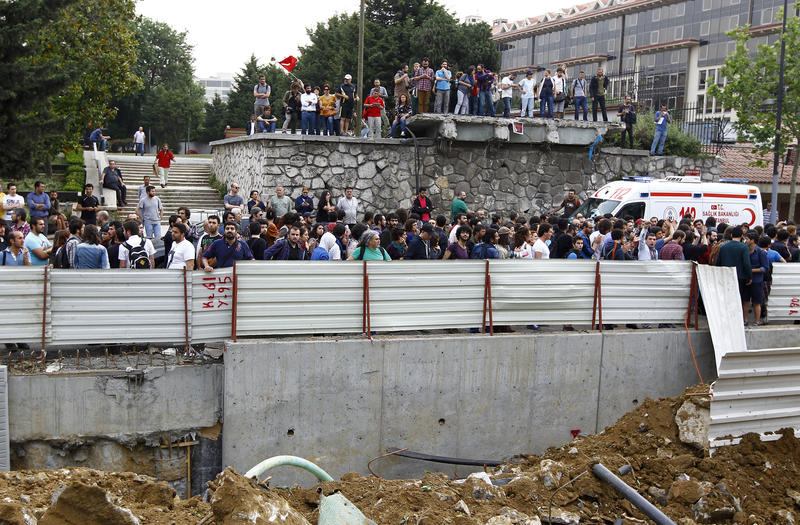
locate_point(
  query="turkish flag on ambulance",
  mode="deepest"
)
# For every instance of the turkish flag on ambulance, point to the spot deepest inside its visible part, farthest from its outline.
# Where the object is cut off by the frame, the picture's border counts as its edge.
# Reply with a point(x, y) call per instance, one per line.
point(288, 62)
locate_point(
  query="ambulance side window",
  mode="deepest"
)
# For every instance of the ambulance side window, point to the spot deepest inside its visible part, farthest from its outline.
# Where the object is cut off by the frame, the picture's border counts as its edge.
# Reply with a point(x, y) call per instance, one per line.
point(633, 209)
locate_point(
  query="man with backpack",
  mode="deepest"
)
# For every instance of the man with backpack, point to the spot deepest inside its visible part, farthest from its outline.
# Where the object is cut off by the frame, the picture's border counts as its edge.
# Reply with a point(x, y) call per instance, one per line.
point(226, 250)
point(136, 253)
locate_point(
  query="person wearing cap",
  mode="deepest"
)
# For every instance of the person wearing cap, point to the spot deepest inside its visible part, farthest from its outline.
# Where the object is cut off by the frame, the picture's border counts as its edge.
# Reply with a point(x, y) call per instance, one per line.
point(528, 88)
point(347, 93)
point(422, 205)
point(420, 247)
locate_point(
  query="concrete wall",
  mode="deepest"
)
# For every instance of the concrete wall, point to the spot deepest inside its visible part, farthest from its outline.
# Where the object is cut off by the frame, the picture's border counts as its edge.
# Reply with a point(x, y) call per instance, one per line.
point(341, 404)
point(113, 404)
point(497, 176)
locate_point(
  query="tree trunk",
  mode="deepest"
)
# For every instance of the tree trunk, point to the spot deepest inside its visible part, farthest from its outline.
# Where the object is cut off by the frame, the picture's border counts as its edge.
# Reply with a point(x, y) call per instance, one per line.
point(48, 166)
point(792, 190)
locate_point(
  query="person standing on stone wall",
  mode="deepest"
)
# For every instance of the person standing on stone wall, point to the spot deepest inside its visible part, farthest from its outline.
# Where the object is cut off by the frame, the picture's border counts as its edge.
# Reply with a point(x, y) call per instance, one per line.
point(376, 84)
point(261, 91)
point(662, 119)
point(308, 106)
point(373, 109)
point(528, 88)
point(401, 83)
point(597, 91)
point(559, 92)
point(627, 115)
point(347, 90)
point(291, 106)
point(349, 205)
point(507, 88)
point(424, 79)
point(578, 92)
point(485, 80)
point(443, 77)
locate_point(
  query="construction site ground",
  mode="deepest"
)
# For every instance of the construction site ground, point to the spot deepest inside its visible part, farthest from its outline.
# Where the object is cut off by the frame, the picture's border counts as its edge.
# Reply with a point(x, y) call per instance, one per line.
point(753, 482)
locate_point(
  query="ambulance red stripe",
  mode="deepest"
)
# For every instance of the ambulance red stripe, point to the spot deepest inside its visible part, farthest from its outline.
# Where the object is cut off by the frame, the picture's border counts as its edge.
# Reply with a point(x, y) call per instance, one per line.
point(724, 196)
point(669, 194)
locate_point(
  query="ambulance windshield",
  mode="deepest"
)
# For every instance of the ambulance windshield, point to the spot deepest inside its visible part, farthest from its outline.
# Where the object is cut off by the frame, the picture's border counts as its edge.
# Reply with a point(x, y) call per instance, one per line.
point(594, 207)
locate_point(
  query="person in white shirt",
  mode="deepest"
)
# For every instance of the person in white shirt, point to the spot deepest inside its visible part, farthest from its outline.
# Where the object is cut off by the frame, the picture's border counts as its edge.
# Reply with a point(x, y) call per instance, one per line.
point(132, 230)
point(181, 255)
point(138, 142)
point(507, 88)
point(12, 201)
point(528, 88)
point(559, 91)
point(349, 205)
point(647, 246)
point(308, 108)
point(540, 248)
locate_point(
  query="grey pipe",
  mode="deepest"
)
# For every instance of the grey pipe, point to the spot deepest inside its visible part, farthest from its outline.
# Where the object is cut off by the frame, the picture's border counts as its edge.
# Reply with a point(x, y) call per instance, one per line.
point(650, 510)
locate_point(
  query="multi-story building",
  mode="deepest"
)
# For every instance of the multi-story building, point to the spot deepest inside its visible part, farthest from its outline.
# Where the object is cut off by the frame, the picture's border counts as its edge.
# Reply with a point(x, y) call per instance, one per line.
point(221, 84)
point(658, 51)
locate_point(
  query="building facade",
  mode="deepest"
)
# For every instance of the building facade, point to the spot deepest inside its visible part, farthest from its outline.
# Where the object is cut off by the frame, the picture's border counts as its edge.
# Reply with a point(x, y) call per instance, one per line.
point(221, 85)
point(658, 51)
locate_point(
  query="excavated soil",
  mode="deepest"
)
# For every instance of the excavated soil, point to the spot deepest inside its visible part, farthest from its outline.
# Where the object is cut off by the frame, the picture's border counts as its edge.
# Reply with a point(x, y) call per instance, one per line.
point(754, 482)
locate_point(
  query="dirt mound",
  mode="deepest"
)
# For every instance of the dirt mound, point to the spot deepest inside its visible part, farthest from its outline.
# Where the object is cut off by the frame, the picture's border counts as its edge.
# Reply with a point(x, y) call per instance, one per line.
point(658, 446)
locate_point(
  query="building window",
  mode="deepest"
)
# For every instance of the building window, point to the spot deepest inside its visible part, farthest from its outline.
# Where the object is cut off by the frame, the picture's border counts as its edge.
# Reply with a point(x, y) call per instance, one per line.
point(573, 51)
point(651, 61)
point(590, 48)
point(633, 19)
point(766, 16)
point(679, 9)
point(673, 80)
point(611, 45)
point(631, 41)
point(612, 24)
point(709, 104)
point(678, 32)
point(629, 63)
point(705, 27)
point(675, 57)
point(654, 37)
point(733, 22)
point(591, 29)
point(706, 5)
point(555, 37)
point(702, 84)
point(671, 102)
point(703, 55)
point(656, 15)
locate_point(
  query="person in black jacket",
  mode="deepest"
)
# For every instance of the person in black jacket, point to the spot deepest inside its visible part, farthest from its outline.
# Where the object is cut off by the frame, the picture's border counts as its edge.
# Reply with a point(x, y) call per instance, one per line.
point(561, 243)
point(627, 115)
point(597, 90)
point(252, 126)
point(422, 205)
point(420, 247)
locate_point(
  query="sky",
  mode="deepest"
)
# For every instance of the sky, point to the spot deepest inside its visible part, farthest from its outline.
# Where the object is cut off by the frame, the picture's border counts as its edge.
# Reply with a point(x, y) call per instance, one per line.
point(225, 33)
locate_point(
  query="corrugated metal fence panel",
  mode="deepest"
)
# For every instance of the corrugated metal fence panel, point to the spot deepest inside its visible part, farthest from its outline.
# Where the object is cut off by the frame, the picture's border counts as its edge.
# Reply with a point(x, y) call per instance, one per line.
point(425, 295)
point(298, 297)
point(646, 291)
point(212, 305)
point(720, 291)
point(757, 391)
point(117, 306)
point(534, 292)
point(5, 451)
point(784, 297)
point(23, 289)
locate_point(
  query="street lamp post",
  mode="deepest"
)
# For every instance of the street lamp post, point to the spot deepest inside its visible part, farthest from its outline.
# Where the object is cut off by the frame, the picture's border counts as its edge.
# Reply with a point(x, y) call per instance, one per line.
point(776, 159)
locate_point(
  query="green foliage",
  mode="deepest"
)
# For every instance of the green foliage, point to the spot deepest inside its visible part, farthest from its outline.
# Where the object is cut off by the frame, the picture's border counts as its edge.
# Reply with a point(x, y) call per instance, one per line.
point(75, 179)
point(678, 143)
point(240, 99)
point(216, 118)
point(74, 157)
point(74, 168)
point(169, 102)
point(217, 184)
point(752, 79)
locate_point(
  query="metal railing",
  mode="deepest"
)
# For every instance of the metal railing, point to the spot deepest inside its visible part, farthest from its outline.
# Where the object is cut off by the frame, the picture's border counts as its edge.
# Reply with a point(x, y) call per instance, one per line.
point(268, 298)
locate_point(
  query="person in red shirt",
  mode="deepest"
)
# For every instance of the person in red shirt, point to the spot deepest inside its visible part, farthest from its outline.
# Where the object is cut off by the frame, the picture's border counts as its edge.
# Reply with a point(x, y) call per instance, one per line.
point(163, 160)
point(372, 111)
point(422, 205)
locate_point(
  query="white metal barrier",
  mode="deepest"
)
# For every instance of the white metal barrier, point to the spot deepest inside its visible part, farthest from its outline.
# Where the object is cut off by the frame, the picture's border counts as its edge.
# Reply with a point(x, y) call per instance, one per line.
point(265, 298)
point(783, 303)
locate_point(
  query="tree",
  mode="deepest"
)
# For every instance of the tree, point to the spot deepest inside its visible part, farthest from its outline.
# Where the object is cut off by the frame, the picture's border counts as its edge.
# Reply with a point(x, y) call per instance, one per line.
point(752, 78)
point(215, 120)
point(28, 126)
point(240, 99)
point(95, 40)
point(164, 65)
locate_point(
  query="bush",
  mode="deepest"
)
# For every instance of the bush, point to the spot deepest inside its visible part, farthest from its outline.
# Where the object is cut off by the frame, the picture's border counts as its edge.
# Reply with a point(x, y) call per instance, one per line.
point(75, 181)
point(678, 143)
point(72, 168)
point(74, 157)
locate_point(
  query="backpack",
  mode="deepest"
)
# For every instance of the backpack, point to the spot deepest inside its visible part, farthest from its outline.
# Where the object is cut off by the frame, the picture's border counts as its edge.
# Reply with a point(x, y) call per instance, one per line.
point(137, 256)
point(364, 248)
point(61, 259)
point(478, 251)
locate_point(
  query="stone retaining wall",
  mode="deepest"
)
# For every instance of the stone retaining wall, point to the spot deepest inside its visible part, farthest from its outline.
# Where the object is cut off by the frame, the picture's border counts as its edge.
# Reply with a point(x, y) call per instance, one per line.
point(529, 178)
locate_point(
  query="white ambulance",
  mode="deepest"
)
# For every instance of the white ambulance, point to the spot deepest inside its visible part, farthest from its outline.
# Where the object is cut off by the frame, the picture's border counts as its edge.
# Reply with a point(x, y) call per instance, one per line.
point(673, 197)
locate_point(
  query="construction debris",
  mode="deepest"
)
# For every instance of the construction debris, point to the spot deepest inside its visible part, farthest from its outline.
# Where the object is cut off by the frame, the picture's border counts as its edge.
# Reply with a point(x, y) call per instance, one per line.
point(752, 483)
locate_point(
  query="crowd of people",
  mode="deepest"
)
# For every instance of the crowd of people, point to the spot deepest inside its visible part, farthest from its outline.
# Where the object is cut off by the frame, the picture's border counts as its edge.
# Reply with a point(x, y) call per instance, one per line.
point(329, 229)
point(329, 110)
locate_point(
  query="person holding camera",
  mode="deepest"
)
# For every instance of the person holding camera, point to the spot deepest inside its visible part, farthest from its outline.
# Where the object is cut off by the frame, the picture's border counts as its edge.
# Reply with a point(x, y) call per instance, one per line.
point(627, 115)
point(662, 119)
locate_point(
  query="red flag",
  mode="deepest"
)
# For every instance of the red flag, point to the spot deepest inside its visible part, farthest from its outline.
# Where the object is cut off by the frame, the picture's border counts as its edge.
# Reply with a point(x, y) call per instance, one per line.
point(288, 62)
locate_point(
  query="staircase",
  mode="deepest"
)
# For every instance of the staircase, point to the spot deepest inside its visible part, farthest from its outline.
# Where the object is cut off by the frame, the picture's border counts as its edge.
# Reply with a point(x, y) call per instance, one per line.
point(187, 184)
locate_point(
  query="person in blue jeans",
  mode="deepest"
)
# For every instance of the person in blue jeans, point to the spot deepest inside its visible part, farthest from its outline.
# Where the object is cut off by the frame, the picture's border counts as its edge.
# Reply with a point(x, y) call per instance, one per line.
point(579, 89)
point(98, 138)
point(485, 81)
point(546, 94)
point(662, 118)
point(266, 122)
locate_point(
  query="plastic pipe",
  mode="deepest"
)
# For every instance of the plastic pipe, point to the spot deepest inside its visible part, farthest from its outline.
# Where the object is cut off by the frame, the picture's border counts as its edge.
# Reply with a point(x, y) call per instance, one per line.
point(650, 510)
point(294, 461)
